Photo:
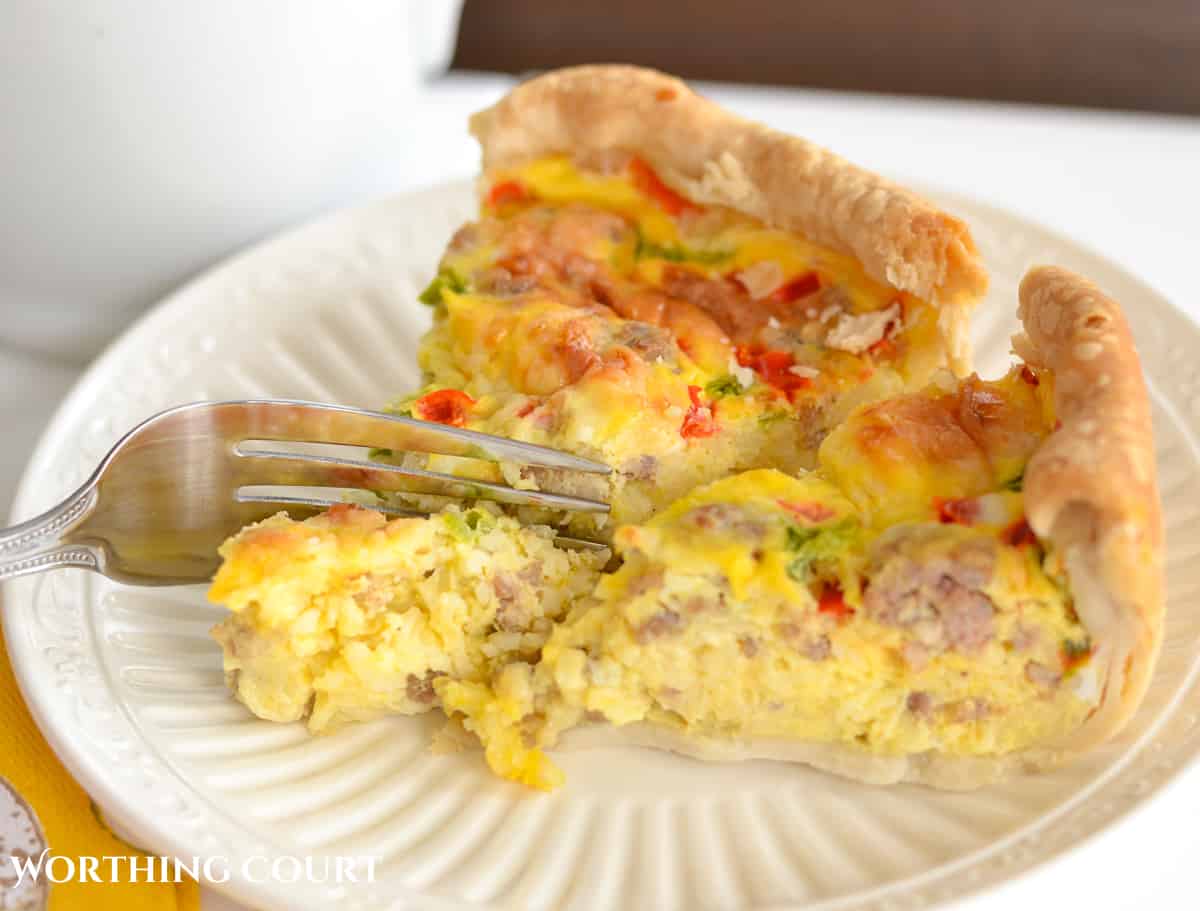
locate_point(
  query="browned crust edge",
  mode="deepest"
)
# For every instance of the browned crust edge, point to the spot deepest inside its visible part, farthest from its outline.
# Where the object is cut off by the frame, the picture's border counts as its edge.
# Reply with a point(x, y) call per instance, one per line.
point(715, 157)
point(1091, 487)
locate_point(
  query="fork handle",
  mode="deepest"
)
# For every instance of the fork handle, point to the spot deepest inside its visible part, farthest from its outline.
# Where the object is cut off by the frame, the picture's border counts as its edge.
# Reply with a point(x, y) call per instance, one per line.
point(42, 543)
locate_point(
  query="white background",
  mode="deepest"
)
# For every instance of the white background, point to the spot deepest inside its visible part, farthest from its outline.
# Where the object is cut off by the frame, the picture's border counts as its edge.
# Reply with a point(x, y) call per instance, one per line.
point(1126, 185)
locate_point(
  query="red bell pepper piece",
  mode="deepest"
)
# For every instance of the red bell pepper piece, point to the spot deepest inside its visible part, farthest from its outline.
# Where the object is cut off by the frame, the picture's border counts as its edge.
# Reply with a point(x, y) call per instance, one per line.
point(445, 406)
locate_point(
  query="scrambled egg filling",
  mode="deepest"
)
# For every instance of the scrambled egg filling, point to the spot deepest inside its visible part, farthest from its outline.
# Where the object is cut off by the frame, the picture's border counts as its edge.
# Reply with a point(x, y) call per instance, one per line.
point(596, 311)
point(347, 616)
point(800, 608)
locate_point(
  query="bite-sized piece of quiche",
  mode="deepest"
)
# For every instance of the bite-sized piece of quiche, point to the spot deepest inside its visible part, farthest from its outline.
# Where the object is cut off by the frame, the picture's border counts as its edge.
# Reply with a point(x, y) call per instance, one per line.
point(658, 284)
point(349, 615)
point(969, 583)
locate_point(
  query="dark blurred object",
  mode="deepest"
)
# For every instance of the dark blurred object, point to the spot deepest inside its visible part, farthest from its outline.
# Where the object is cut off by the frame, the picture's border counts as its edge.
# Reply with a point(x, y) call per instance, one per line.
point(1136, 54)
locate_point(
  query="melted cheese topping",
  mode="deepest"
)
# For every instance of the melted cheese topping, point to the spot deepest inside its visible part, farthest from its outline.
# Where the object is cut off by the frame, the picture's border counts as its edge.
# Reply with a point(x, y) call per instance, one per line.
point(898, 459)
point(715, 243)
point(600, 314)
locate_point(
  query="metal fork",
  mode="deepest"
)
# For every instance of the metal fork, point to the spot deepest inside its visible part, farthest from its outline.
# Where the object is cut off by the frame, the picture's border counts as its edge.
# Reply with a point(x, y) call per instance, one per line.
point(172, 489)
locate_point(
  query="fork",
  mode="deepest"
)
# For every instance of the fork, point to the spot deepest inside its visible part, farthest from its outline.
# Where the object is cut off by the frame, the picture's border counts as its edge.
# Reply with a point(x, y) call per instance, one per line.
point(172, 489)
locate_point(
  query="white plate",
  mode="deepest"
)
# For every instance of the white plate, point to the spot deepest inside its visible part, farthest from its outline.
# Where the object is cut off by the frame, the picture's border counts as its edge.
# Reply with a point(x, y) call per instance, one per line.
point(127, 685)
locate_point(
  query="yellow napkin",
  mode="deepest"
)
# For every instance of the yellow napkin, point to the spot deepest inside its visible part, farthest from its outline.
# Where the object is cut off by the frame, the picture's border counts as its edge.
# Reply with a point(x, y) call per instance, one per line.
point(70, 826)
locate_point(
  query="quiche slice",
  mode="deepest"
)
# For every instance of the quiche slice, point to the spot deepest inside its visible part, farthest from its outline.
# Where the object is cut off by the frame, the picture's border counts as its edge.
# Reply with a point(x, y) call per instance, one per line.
point(969, 583)
point(658, 284)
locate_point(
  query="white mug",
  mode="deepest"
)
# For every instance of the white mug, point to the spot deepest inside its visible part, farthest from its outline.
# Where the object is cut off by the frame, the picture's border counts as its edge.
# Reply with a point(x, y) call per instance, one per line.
point(143, 140)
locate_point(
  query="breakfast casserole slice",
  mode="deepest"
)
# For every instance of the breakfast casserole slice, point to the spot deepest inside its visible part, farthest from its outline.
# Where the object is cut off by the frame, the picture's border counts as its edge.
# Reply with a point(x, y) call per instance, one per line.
point(658, 284)
point(969, 583)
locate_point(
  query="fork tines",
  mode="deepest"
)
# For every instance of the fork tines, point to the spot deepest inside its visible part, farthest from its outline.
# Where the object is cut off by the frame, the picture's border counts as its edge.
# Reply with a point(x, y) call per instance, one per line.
point(294, 445)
